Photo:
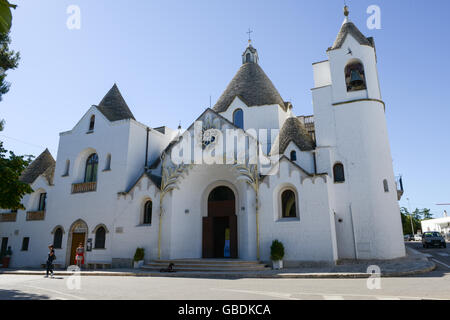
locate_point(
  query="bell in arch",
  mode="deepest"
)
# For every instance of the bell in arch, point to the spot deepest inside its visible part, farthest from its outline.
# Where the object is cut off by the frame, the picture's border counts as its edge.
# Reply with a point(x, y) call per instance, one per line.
point(355, 79)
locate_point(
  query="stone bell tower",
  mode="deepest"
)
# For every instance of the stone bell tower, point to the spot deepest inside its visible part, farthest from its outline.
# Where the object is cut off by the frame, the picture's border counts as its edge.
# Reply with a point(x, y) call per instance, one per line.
point(352, 136)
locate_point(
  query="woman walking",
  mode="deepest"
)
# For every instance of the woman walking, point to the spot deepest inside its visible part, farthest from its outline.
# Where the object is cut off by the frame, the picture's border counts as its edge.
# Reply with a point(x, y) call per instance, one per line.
point(79, 258)
point(50, 258)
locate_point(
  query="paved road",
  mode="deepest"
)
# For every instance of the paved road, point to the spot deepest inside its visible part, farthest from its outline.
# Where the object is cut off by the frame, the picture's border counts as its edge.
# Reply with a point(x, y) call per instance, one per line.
point(433, 285)
point(440, 256)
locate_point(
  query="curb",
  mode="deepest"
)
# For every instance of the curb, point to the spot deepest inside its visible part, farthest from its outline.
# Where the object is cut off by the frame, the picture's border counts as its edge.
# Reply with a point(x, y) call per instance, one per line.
point(329, 275)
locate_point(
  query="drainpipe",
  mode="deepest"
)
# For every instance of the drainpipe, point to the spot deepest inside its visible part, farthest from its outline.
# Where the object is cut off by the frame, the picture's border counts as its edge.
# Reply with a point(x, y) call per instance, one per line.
point(315, 162)
point(146, 150)
point(353, 232)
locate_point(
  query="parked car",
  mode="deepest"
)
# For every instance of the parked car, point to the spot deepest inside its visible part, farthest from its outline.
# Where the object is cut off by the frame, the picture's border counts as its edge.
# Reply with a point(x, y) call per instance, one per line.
point(433, 239)
point(407, 237)
point(417, 237)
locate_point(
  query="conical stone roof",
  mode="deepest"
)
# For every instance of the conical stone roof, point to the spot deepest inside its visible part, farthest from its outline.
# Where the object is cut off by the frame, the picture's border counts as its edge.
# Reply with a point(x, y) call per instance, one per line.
point(114, 107)
point(293, 130)
point(43, 164)
point(252, 86)
point(350, 28)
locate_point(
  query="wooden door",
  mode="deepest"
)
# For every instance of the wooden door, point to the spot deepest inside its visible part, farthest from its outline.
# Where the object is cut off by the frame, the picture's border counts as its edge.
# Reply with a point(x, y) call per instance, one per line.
point(233, 236)
point(221, 208)
point(208, 240)
point(76, 239)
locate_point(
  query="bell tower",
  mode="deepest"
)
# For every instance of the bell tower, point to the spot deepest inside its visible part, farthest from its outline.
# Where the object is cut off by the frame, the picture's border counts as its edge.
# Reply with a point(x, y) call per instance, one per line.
point(351, 133)
point(250, 54)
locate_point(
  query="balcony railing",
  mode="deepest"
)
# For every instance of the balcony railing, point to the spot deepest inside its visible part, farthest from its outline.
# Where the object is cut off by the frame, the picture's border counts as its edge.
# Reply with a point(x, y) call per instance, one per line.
point(84, 187)
point(8, 217)
point(35, 215)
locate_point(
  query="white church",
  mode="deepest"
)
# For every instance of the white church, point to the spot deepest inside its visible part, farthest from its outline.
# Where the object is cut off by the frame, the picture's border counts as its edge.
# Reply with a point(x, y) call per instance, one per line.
point(246, 172)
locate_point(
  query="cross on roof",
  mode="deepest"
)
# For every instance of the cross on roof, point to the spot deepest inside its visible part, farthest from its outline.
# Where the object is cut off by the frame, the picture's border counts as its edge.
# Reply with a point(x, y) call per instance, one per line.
point(249, 33)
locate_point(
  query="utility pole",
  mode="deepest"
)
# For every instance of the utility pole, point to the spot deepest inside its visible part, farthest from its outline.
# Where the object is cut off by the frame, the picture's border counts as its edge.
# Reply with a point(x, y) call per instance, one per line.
point(410, 215)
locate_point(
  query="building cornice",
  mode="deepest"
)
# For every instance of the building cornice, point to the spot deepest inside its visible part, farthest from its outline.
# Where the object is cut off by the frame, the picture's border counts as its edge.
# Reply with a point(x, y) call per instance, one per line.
point(359, 100)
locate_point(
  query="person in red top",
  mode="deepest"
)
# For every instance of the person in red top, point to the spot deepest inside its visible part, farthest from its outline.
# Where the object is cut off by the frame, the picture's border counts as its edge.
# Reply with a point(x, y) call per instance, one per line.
point(79, 258)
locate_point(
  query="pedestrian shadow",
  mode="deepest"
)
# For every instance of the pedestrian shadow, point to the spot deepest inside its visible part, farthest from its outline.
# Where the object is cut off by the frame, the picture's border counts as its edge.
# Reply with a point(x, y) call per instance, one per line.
point(21, 295)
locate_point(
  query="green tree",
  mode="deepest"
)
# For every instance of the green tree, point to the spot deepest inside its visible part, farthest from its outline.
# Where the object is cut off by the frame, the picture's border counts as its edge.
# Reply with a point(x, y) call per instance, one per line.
point(5, 15)
point(426, 214)
point(417, 215)
point(8, 60)
point(406, 221)
point(11, 166)
point(11, 188)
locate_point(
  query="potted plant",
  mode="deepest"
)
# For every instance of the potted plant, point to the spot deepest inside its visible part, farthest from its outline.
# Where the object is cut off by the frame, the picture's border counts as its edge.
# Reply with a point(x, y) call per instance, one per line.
point(277, 254)
point(6, 257)
point(139, 258)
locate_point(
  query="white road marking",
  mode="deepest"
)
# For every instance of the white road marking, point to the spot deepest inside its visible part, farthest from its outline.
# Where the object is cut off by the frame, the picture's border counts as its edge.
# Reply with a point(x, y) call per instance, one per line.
point(428, 255)
point(442, 254)
point(265, 293)
point(326, 296)
point(440, 262)
point(55, 291)
point(333, 297)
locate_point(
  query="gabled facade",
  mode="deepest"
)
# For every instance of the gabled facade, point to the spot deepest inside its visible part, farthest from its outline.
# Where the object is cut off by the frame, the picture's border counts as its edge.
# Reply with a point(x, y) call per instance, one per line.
point(246, 172)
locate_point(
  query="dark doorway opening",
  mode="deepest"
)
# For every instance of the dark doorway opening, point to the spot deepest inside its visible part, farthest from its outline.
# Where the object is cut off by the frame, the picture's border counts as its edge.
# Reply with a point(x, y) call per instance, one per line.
point(220, 226)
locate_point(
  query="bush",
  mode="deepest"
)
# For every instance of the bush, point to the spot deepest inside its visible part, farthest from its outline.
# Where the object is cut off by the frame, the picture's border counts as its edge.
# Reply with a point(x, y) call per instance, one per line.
point(276, 250)
point(139, 255)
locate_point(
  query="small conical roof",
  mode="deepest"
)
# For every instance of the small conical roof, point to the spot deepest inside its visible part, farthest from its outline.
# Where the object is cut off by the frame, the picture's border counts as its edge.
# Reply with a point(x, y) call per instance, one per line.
point(252, 86)
point(43, 164)
point(292, 130)
point(114, 107)
point(349, 28)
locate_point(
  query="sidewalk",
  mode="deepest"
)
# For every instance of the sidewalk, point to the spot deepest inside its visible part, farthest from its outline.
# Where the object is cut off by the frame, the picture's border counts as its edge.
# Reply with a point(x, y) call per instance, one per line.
point(414, 263)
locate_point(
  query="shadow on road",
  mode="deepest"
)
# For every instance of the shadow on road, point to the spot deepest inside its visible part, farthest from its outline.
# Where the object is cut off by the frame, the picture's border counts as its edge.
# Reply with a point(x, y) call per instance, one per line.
point(20, 295)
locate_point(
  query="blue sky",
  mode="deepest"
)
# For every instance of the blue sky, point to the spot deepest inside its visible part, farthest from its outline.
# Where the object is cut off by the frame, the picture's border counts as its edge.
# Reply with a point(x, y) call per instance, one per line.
point(168, 57)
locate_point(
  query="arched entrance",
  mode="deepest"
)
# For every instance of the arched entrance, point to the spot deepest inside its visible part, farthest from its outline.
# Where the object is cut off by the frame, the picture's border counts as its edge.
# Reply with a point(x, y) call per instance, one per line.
point(220, 226)
point(77, 234)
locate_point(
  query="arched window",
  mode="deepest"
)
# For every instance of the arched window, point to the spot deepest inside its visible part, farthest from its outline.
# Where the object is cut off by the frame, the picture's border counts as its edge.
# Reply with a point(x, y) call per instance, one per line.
point(338, 172)
point(108, 162)
point(293, 155)
point(100, 236)
point(90, 174)
point(354, 76)
point(147, 218)
point(57, 238)
point(238, 118)
point(66, 172)
point(385, 185)
point(92, 123)
point(288, 205)
point(42, 201)
point(248, 57)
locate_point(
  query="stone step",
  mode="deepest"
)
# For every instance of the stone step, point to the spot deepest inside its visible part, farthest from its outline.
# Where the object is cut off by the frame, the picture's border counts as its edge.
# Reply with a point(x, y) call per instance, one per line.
point(204, 269)
point(207, 265)
point(208, 261)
